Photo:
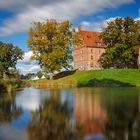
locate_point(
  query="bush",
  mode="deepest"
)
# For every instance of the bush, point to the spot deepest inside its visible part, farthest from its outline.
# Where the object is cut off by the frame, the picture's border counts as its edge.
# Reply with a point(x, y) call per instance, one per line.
point(10, 85)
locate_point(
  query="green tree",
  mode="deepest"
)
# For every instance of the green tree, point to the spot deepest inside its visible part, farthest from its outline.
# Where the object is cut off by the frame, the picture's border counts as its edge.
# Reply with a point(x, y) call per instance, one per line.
point(14, 73)
point(9, 55)
point(52, 43)
point(121, 36)
point(28, 76)
point(39, 74)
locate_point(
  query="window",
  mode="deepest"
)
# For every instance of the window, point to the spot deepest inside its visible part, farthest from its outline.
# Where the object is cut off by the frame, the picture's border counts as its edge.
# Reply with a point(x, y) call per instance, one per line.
point(88, 36)
point(92, 50)
point(91, 57)
point(98, 43)
point(91, 64)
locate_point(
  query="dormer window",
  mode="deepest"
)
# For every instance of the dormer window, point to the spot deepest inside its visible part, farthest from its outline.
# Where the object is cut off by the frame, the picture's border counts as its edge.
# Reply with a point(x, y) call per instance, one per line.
point(88, 36)
point(98, 43)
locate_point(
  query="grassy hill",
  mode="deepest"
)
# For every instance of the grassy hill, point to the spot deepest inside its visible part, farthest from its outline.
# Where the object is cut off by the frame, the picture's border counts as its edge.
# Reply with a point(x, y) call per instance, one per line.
point(100, 78)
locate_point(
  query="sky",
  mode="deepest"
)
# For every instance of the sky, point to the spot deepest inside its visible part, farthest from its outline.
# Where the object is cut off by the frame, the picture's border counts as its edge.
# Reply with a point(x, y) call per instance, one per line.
point(16, 17)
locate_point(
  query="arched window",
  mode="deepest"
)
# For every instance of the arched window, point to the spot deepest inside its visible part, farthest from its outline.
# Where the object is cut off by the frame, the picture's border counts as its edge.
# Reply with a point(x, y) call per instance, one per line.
point(91, 64)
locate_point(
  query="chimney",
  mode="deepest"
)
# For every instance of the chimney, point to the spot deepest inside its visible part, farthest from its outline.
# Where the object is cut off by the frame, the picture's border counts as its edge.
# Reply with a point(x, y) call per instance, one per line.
point(79, 28)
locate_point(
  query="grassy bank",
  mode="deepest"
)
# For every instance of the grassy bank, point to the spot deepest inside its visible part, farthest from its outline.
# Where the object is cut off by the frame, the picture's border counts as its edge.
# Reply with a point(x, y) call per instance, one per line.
point(10, 85)
point(94, 78)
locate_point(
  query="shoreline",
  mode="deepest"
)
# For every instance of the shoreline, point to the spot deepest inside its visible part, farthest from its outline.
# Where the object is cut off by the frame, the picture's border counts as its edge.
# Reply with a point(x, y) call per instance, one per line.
point(94, 78)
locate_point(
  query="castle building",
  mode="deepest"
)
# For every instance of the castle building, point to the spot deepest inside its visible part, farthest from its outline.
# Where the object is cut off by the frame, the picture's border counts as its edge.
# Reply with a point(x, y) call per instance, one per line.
point(87, 55)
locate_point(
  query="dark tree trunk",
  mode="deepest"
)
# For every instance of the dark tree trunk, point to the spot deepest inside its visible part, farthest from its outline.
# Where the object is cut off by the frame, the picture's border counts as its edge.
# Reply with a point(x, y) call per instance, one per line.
point(4, 75)
point(51, 76)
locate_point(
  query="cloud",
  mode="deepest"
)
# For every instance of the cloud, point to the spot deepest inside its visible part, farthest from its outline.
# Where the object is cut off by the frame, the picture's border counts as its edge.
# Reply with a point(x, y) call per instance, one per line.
point(34, 10)
point(21, 4)
point(30, 68)
point(26, 57)
point(96, 25)
point(26, 66)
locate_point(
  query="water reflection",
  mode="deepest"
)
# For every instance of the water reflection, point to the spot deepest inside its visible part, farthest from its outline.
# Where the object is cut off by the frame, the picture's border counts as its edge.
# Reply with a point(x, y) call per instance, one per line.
point(124, 116)
point(52, 121)
point(9, 111)
point(8, 108)
point(90, 113)
point(31, 98)
point(70, 114)
point(112, 114)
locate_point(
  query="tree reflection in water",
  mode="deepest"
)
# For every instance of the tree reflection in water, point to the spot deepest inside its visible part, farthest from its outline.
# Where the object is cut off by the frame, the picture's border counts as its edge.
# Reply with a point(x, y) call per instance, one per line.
point(123, 117)
point(100, 113)
point(8, 108)
point(52, 122)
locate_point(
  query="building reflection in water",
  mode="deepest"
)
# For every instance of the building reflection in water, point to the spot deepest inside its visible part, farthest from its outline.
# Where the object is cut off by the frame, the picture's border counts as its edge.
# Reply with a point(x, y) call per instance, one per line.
point(89, 113)
point(112, 114)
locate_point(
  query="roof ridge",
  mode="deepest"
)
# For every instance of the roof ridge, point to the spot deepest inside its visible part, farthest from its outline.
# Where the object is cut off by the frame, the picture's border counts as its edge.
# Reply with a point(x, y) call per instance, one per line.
point(89, 31)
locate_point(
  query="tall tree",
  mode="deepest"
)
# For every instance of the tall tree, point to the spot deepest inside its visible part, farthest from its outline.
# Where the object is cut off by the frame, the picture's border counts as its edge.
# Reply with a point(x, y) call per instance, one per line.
point(51, 43)
point(121, 37)
point(9, 55)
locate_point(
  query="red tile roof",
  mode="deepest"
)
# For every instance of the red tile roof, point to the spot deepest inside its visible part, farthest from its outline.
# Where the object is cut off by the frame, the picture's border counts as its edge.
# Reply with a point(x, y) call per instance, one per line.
point(91, 39)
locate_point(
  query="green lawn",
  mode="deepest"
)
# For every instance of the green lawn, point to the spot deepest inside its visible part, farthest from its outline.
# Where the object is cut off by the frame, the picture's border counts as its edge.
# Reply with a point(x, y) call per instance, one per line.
point(109, 77)
point(100, 78)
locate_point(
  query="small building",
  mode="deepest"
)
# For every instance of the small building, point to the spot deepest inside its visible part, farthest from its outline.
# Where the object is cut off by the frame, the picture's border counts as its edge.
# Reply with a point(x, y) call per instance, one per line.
point(86, 56)
point(43, 77)
point(35, 78)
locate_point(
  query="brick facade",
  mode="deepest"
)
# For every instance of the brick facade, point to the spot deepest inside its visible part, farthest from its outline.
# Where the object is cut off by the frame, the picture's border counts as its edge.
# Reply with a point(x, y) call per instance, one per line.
point(87, 55)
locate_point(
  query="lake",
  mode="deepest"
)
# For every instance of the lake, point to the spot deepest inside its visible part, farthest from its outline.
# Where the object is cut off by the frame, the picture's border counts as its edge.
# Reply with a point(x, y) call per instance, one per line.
point(70, 114)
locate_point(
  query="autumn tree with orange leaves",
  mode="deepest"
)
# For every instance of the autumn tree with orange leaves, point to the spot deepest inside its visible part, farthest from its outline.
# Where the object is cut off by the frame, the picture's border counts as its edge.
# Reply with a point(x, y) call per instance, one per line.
point(52, 43)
